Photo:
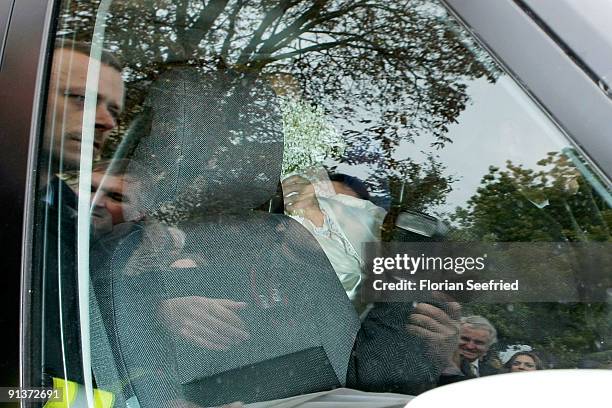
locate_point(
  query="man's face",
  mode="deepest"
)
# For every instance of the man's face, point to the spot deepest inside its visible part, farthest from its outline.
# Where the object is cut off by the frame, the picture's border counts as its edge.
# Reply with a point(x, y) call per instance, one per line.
point(114, 197)
point(473, 342)
point(66, 102)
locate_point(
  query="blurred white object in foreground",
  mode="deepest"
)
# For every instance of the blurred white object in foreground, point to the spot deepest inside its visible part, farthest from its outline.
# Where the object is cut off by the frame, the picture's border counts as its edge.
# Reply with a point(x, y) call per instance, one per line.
point(544, 388)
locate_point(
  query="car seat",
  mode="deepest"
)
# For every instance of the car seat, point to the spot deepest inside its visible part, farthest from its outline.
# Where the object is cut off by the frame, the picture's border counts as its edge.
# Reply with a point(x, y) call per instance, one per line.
point(216, 142)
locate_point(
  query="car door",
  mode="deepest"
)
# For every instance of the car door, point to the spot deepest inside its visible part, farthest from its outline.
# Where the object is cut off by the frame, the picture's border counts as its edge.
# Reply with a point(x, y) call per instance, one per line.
point(411, 122)
point(24, 25)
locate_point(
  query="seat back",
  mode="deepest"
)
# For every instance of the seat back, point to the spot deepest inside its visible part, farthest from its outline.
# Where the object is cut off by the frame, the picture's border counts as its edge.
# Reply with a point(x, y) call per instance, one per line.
point(217, 142)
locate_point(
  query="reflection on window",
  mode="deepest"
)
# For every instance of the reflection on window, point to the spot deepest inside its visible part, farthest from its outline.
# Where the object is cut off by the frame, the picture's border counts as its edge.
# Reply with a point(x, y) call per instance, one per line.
point(259, 145)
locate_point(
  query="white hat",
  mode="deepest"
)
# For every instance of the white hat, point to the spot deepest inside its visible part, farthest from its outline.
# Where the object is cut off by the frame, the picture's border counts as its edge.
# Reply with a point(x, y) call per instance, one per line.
point(511, 350)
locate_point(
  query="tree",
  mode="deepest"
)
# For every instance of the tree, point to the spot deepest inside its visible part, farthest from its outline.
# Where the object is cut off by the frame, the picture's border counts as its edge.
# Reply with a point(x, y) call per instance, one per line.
point(523, 205)
point(552, 204)
point(383, 72)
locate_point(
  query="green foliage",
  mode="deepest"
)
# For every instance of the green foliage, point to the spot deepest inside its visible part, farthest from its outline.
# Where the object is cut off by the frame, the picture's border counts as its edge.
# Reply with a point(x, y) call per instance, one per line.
point(309, 138)
point(523, 205)
point(561, 333)
point(553, 204)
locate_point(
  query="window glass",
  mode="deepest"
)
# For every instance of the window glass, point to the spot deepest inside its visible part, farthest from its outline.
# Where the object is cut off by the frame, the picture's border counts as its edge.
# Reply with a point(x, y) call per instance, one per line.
point(212, 172)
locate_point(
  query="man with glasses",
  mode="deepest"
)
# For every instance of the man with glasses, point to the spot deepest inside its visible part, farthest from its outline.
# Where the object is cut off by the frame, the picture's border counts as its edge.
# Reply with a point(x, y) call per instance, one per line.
point(66, 102)
point(62, 140)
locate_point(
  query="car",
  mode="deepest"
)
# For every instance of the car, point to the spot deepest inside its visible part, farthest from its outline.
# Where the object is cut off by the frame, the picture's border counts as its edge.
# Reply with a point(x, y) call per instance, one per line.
point(195, 194)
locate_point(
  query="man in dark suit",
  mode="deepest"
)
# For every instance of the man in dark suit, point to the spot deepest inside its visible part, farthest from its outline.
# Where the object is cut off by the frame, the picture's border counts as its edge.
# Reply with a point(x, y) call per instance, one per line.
point(476, 336)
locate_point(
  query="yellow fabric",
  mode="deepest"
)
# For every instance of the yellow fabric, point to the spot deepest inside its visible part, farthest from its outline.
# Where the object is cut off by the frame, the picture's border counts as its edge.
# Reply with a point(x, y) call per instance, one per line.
point(103, 399)
point(70, 391)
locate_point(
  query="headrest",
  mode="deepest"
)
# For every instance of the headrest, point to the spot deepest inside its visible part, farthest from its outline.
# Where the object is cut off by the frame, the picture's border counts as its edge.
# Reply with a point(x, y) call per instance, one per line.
point(215, 139)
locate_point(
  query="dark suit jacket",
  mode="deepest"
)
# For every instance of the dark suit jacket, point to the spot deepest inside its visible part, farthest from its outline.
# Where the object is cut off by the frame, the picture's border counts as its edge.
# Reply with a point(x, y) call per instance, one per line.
point(466, 374)
point(59, 264)
point(386, 358)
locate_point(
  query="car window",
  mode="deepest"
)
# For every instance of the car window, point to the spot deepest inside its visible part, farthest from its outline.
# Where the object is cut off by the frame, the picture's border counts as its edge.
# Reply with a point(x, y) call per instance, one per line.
point(213, 174)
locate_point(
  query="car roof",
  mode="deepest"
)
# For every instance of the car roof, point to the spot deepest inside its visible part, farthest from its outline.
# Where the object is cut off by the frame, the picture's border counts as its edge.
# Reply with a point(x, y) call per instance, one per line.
point(584, 27)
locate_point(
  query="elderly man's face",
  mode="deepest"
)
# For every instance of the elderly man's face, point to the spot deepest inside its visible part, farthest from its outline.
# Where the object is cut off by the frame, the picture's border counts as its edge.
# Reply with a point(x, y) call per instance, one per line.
point(66, 103)
point(473, 342)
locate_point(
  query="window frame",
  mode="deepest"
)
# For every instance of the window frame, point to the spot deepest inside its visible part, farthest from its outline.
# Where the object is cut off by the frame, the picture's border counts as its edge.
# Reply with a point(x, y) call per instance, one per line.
point(23, 83)
point(547, 72)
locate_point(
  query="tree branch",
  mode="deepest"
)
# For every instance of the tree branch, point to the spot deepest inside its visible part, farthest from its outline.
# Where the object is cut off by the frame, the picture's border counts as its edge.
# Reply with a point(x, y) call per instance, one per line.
point(318, 47)
point(323, 18)
point(231, 30)
point(182, 22)
point(274, 13)
point(204, 22)
point(313, 11)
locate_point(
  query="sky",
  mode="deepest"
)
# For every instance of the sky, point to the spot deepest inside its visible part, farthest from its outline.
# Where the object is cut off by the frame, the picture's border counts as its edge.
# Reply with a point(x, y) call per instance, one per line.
point(501, 123)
